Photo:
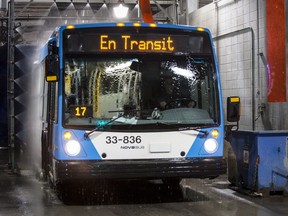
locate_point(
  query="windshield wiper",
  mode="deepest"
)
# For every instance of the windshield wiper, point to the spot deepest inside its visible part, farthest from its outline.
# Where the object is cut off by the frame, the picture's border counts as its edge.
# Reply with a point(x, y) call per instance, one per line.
point(195, 129)
point(86, 134)
point(198, 129)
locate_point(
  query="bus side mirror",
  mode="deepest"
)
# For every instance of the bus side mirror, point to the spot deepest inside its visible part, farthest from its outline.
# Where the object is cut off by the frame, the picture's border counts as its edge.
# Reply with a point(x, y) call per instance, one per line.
point(52, 63)
point(233, 109)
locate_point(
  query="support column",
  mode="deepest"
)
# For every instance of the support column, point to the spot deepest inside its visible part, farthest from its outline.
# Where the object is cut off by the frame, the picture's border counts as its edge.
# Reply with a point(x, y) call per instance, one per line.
point(10, 86)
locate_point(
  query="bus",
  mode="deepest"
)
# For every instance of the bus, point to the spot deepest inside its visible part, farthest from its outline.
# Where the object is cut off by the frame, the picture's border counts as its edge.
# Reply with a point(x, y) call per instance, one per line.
point(131, 101)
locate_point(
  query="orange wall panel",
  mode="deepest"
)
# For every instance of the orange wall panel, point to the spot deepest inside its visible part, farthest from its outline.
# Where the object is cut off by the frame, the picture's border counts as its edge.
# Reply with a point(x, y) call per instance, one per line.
point(276, 50)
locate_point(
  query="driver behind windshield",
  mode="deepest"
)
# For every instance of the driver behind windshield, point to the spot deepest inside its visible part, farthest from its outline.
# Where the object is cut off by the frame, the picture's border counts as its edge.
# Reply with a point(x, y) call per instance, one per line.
point(171, 97)
point(167, 92)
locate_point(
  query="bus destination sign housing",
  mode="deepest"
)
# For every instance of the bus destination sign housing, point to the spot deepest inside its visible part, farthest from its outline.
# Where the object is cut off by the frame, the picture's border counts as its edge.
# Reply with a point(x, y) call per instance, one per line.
point(129, 41)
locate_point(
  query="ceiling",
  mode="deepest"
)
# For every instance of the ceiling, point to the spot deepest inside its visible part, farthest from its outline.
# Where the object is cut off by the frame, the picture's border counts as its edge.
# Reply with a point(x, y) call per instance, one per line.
point(85, 9)
point(33, 9)
point(33, 17)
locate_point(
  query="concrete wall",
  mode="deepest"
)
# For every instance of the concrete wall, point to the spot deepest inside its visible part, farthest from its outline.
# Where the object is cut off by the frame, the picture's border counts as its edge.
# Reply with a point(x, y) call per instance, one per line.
point(239, 31)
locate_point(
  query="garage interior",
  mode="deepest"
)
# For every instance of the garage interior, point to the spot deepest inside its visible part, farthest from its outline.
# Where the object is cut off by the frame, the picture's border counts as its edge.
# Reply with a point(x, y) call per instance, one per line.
point(251, 42)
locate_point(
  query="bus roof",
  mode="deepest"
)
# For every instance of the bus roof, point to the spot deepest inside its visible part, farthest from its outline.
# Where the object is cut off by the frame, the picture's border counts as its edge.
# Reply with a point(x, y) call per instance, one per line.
point(133, 24)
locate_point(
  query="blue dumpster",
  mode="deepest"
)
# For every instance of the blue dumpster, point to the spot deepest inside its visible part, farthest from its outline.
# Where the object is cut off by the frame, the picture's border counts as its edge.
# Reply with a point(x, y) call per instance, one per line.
point(262, 160)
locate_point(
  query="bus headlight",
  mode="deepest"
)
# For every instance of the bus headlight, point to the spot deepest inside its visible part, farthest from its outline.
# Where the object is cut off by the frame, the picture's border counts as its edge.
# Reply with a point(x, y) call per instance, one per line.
point(211, 145)
point(72, 148)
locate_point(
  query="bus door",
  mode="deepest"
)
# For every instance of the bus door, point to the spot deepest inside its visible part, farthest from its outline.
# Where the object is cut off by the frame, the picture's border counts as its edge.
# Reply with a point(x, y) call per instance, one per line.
point(49, 116)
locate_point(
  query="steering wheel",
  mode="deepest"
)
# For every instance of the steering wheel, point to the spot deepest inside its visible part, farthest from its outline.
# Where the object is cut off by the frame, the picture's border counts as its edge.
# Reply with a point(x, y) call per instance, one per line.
point(181, 102)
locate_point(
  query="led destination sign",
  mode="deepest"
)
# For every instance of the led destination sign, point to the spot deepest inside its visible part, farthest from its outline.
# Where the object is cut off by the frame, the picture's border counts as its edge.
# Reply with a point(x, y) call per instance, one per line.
point(92, 41)
point(136, 43)
point(127, 42)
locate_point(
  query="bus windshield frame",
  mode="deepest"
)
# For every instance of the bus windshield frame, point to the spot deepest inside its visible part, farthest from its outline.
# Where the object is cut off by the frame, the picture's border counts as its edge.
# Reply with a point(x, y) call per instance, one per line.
point(128, 96)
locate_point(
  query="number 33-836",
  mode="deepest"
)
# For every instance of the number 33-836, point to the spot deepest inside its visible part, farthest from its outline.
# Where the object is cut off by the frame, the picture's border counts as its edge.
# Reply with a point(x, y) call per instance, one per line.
point(125, 139)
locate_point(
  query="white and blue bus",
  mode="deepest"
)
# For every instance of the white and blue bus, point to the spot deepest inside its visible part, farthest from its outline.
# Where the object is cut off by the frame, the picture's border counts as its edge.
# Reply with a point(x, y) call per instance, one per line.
point(131, 101)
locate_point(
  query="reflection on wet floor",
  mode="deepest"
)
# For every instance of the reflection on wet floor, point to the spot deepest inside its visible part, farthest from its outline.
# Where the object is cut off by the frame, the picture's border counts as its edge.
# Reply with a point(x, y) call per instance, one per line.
point(93, 193)
point(125, 192)
point(26, 195)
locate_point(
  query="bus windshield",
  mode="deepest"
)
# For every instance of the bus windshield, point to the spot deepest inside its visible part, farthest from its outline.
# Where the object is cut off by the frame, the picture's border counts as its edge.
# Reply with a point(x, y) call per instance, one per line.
point(141, 78)
point(140, 91)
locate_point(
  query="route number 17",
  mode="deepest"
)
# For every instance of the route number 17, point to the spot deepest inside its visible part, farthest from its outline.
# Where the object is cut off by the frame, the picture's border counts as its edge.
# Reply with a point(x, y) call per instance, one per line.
point(80, 111)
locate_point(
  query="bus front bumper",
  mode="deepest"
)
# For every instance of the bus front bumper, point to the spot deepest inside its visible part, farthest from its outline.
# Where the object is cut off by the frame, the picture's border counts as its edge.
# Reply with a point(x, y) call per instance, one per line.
point(137, 169)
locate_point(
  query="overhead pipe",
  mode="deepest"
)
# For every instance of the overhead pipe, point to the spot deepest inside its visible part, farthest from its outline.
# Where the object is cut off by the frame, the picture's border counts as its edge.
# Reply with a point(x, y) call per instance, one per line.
point(258, 51)
point(138, 10)
point(32, 18)
point(240, 31)
point(261, 110)
point(146, 11)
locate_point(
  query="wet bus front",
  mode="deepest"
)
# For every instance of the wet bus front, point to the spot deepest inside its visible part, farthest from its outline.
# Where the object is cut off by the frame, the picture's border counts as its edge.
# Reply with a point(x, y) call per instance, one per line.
point(149, 81)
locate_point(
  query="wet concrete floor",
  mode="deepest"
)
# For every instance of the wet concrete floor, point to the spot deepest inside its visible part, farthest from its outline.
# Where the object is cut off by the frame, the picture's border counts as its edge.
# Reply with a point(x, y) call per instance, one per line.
point(25, 195)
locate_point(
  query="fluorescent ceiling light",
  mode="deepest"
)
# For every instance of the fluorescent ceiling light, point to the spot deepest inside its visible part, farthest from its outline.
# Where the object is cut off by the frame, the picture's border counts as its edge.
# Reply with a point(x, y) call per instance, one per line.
point(120, 11)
